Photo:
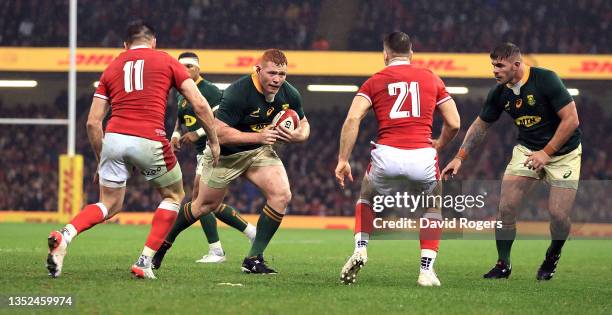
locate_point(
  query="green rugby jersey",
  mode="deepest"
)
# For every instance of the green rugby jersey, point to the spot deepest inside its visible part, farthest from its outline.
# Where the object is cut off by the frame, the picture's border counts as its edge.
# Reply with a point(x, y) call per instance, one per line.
point(186, 115)
point(244, 107)
point(534, 109)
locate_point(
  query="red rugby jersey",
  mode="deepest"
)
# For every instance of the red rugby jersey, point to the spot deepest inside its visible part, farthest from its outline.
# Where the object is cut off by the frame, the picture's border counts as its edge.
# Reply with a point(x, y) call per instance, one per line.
point(404, 98)
point(136, 84)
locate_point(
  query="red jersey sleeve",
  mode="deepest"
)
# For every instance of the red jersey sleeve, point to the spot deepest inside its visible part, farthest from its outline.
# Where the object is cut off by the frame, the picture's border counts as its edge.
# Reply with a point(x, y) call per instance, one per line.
point(366, 90)
point(179, 72)
point(102, 89)
point(442, 95)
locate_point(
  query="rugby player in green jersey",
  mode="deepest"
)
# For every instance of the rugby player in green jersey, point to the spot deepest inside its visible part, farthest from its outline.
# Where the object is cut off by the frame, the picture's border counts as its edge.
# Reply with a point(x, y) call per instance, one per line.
point(196, 135)
point(246, 136)
point(548, 148)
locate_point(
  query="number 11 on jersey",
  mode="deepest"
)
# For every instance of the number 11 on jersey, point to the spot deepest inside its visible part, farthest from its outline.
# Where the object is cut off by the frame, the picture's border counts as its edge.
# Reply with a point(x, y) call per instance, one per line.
point(404, 88)
point(136, 68)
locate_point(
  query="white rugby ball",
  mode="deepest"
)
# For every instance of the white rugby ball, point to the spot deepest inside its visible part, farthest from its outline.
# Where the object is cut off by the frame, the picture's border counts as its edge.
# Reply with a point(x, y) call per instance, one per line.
point(287, 118)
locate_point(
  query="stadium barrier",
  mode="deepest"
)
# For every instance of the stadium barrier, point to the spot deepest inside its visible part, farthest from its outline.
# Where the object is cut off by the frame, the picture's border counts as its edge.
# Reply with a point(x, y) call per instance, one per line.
point(590, 230)
point(310, 63)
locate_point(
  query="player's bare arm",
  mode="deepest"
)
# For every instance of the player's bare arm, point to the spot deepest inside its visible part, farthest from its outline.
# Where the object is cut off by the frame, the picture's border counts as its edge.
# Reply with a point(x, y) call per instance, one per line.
point(95, 133)
point(298, 135)
point(176, 135)
point(204, 113)
point(474, 137)
point(567, 126)
point(350, 130)
point(451, 125)
point(231, 136)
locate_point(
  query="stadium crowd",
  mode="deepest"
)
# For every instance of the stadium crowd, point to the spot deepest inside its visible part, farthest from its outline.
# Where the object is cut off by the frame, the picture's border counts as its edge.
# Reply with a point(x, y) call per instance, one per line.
point(561, 26)
point(286, 24)
point(28, 179)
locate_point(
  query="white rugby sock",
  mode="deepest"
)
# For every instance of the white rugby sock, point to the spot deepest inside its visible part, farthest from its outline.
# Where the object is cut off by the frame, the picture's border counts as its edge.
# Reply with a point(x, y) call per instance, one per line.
point(361, 241)
point(216, 248)
point(250, 232)
point(428, 257)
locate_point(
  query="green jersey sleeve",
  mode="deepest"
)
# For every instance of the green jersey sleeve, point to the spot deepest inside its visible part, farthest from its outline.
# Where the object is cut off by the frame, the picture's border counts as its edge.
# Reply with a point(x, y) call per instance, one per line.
point(180, 100)
point(231, 106)
point(212, 94)
point(491, 110)
point(296, 100)
point(555, 90)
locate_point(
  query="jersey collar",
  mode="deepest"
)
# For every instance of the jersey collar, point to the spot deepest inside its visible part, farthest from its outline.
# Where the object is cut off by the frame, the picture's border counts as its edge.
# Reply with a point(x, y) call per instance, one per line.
point(257, 83)
point(516, 88)
point(399, 63)
point(200, 79)
point(139, 46)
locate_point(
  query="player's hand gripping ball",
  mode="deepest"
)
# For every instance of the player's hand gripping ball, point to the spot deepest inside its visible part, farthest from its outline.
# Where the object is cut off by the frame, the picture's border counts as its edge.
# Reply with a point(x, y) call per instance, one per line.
point(287, 118)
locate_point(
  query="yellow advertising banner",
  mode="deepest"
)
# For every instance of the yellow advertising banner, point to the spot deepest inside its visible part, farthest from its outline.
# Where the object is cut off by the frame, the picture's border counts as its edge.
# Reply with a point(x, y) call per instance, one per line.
point(70, 197)
point(310, 63)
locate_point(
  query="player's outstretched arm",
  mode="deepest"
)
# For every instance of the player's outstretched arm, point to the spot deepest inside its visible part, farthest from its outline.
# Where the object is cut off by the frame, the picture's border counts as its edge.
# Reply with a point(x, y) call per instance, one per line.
point(451, 125)
point(95, 133)
point(204, 112)
point(474, 137)
point(350, 130)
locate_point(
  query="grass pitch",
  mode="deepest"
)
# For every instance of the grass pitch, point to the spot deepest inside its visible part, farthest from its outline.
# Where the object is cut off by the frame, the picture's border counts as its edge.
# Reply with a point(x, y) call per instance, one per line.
point(96, 273)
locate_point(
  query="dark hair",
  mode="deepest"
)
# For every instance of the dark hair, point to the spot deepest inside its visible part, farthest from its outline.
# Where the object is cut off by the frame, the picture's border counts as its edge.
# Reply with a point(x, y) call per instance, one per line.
point(505, 51)
point(139, 30)
point(274, 55)
point(398, 42)
point(189, 54)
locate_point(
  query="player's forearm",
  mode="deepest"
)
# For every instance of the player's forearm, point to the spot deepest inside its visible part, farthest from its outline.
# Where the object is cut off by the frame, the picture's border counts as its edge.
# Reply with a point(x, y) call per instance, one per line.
point(232, 137)
point(474, 137)
point(447, 135)
point(95, 133)
point(348, 137)
point(205, 115)
point(564, 131)
point(303, 131)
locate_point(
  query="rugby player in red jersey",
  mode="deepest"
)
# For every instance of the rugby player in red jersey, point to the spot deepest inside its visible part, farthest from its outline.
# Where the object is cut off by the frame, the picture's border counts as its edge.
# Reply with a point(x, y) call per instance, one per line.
point(404, 98)
point(135, 86)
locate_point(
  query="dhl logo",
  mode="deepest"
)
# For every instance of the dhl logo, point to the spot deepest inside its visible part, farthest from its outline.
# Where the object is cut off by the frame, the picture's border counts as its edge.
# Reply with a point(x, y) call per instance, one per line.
point(594, 66)
point(89, 59)
point(68, 190)
point(247, 62)
point(438, 64)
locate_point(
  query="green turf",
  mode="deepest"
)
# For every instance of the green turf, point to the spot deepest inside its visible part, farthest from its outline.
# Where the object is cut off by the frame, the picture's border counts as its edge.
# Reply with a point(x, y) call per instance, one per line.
point(309, 261)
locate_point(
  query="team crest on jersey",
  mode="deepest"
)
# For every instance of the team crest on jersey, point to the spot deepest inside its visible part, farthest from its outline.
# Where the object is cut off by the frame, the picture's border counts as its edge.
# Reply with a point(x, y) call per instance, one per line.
point(189, 120)
point(531, 100)
point(269, 111)
point(527, 121)
point(285, 106)
point(518, 103)
point(258, 127)
point(255, 113)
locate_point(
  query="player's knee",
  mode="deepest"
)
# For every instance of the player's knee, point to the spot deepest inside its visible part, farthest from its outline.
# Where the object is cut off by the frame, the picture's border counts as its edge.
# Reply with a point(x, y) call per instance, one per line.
point(559, 218)
point(281, 199)
point(507, 212)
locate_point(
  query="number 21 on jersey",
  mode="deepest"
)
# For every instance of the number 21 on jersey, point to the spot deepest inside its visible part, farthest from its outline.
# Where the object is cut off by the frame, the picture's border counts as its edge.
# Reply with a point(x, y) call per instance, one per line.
point(132, 75)
point(404, 88)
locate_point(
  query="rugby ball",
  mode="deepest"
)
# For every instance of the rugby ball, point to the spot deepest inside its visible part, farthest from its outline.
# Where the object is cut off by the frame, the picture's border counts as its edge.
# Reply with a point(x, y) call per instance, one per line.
point(287, 118)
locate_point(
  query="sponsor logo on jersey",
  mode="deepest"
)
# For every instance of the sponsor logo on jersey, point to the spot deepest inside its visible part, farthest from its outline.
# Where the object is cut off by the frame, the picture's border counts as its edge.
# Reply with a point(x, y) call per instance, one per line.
point(189, 120)
point(269, 111)
point(255, 113)
point(258, 127)
point(183, 103)
point(567, 174)
point(507, 105)
point(531, 100)
point(527, 121)
point(518, 103)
